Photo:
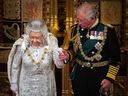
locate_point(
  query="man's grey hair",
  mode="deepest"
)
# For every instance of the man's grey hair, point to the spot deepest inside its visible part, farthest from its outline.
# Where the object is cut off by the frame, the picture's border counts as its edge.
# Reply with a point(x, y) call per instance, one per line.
point(89, 9)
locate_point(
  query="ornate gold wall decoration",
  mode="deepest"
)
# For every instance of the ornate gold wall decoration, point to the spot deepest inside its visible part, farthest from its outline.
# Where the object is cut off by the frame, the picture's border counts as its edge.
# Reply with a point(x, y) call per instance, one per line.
point(120, 86)
point(12, 32)
point(31, 9)
point(11, 9)
point(111, 11)
point(46, 11)
point(53, 17)
point(70, 20)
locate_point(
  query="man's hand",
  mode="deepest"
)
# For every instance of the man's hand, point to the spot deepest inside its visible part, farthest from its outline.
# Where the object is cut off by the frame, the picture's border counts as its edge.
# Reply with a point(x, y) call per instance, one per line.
point(63, 55)
point(106, 85)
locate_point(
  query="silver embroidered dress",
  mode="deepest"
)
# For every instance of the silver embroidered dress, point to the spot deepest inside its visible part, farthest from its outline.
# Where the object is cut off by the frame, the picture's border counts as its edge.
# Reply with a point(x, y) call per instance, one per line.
point(33, 78)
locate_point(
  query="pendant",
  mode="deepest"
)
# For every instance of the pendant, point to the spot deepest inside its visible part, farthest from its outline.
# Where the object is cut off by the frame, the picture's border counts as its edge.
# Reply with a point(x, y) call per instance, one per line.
point(88, 64)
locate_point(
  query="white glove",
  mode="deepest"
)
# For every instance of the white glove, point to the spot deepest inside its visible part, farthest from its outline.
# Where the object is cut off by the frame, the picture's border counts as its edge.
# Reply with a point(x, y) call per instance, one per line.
point(56, 59)
point(14, 88)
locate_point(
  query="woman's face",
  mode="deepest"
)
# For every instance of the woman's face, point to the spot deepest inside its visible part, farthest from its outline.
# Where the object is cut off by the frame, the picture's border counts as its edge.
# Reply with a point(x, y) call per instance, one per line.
point(36, 39)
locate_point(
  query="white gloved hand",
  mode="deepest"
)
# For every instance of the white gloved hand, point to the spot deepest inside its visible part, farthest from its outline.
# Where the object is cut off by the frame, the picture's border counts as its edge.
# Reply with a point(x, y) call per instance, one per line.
point(56, 57)
point(63, 56)
point(14, 88)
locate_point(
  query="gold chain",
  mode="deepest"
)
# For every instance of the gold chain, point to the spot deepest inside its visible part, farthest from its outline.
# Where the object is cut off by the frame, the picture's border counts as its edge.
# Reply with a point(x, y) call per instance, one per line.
point(97, 55)
point(41, 59)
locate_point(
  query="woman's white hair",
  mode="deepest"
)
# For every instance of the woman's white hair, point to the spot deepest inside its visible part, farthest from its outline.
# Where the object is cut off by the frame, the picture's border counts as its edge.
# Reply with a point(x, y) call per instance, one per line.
point(37, 26)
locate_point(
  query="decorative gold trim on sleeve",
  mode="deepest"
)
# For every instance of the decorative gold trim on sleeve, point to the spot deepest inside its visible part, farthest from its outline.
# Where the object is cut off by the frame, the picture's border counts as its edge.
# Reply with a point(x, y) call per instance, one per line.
point(112, 72)
point(70, 55)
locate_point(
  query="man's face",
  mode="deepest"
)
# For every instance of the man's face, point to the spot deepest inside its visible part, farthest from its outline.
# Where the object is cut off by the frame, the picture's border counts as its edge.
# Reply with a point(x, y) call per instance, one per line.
point(83, 20)
point(36, 39)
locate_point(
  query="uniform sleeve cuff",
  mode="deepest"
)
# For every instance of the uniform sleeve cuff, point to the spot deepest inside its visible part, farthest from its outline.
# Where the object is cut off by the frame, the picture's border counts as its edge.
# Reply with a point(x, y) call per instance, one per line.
point(112, 72)
point(111, 80)
point(70, 55)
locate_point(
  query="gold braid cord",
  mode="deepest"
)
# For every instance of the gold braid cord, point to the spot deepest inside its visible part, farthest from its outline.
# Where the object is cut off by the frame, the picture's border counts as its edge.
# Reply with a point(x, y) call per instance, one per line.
point(97, 55)
point(76, 42)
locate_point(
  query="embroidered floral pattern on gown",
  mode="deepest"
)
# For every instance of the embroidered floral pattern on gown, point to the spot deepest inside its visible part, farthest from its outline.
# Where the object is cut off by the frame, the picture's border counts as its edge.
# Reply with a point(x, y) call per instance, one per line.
point(35, 79)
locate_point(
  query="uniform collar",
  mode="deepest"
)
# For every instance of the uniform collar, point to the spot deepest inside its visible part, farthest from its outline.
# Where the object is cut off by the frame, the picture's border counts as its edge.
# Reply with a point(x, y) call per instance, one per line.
point(96, 22)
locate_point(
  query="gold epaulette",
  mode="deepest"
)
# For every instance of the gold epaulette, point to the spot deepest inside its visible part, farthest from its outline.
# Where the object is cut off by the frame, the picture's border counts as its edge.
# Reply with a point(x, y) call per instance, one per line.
point(112, 72)
point(107, 24)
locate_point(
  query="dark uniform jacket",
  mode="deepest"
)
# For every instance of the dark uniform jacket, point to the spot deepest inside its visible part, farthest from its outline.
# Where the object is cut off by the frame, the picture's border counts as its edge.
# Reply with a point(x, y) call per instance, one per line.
point(98, 44)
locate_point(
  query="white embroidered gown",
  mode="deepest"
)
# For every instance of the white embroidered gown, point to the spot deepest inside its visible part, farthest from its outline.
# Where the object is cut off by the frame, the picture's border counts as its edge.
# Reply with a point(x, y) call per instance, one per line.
point(35, 79)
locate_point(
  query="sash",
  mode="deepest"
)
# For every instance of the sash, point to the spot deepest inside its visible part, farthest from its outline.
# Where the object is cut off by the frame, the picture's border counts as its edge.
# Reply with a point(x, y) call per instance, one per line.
point(89, 45)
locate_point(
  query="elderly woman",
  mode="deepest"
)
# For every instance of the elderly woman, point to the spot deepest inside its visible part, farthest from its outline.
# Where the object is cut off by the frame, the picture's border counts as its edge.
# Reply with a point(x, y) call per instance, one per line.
point(30, 62)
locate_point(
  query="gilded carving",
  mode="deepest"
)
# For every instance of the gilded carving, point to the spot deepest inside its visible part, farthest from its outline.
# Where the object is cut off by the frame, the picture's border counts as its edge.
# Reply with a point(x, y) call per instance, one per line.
point(11, 9)
point(12, 32)
point(31, 9)
point(111, 11)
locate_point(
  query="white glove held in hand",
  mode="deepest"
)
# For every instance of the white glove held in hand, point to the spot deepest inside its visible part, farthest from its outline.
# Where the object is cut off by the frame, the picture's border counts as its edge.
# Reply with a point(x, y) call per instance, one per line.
point(56, 59)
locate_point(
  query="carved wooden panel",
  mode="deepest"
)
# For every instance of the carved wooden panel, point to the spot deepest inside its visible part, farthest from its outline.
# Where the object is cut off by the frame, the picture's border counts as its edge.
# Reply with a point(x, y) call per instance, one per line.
point(4, 85)
point(4, 55)
point(121, 86)
point(125, 24)
point(10, 33)
point(1, 17)
point(11, 9)
point(1, 10)
point(111, 11)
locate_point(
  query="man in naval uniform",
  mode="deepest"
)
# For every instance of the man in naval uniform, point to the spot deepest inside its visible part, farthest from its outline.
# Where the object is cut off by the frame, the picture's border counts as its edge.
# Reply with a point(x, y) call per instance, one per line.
point(94, 53)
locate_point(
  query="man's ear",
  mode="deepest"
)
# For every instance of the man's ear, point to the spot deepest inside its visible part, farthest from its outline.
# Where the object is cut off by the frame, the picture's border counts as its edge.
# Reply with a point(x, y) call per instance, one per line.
point(92, 18)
